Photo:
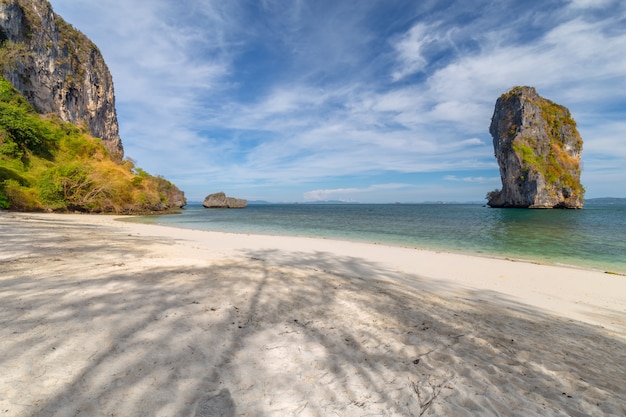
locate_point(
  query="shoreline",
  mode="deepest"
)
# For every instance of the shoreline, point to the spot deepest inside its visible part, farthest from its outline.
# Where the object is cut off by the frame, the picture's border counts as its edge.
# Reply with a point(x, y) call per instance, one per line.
point(574, 258)
point(99, 316)
point(604, 270)
point(404, 259)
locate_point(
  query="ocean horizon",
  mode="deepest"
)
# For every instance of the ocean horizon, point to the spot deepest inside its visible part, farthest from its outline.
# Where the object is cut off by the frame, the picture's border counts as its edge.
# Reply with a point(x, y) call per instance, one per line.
point(593, 237)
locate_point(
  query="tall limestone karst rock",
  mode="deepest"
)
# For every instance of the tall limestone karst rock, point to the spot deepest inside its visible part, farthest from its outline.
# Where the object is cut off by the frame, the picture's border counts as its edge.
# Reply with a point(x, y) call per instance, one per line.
point(58, 69)
point(538, 149)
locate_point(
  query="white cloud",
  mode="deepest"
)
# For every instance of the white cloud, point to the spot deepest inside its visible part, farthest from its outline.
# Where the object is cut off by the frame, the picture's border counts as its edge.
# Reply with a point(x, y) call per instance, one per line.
point(568, 56)
point(590, 4)
point(411, 49)
point(478, 180)
point(349, 194)
point(343, 100)
point(473, 141)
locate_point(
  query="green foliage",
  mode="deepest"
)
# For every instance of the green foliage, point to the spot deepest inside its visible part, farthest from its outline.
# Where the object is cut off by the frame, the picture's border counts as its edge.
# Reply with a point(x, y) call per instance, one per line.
point(4, 200)
point(525, 149)
point(46, 164)
point(64, 184)
point(7, 173)
point(11, 53)
point(557, 117)
point(21, 128)
point(553, 162)
point(9, 148)
point(556, 166)
point(19, 197)
point(26, 130)
point(515, 91)
point(141, 173)
point(9, 95)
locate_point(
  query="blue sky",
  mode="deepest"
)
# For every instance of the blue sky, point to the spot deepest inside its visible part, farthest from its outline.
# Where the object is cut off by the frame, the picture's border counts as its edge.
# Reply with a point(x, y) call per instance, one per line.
point(354, 100)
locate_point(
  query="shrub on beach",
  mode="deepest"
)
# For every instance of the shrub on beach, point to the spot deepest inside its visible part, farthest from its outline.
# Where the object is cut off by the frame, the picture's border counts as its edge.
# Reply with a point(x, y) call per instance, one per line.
point(48, 164)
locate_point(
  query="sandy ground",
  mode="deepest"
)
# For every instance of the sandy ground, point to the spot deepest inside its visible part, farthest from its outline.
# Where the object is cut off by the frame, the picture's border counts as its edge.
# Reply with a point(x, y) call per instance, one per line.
point(105, 318)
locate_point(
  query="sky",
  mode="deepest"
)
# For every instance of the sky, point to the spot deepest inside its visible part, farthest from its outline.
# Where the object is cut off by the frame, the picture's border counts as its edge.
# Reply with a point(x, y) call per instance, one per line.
point(353, 100)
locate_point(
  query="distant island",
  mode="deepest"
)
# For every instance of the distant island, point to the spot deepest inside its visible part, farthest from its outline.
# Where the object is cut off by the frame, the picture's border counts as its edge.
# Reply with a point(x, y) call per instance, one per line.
point(605, 201)
point(220, 200)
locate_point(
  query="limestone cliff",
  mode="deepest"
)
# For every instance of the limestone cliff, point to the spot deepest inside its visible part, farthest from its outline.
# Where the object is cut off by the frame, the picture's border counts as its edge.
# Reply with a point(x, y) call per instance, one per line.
point(219, 200)
point(538, 149)
point(58, 69)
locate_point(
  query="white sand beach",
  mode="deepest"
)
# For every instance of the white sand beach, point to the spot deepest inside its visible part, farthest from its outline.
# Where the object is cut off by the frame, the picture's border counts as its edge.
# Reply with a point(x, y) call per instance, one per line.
point(106, 318)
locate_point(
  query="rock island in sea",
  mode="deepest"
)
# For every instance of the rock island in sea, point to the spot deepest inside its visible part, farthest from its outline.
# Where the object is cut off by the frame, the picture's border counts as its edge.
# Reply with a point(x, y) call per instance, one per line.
point(538, 149)
point(220, 200)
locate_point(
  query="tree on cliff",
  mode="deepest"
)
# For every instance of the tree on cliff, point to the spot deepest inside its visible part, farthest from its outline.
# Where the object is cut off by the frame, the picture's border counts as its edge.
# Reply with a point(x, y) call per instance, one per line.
point(48, 164)
point(59, 138)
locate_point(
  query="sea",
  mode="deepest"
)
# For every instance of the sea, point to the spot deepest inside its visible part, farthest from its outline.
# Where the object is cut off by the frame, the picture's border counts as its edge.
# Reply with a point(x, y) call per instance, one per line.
point(592, 238)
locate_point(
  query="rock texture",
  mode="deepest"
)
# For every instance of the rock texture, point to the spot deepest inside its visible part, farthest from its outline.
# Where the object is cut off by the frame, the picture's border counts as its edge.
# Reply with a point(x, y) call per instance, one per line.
point(538, 149)
point(60, 70)
point(220, 200)
point(176, 198)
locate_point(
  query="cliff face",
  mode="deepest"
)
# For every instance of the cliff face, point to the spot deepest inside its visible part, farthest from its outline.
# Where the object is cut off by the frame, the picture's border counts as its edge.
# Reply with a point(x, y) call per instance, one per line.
point(59, 70)
point(538, 149)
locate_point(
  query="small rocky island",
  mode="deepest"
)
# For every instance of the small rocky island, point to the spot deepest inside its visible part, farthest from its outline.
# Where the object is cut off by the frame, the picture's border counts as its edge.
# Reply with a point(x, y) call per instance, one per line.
point(220, 200)
point(538, 149)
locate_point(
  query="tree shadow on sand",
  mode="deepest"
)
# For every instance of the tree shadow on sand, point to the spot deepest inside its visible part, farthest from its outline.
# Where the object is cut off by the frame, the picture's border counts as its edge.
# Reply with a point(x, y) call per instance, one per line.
point(275, 334)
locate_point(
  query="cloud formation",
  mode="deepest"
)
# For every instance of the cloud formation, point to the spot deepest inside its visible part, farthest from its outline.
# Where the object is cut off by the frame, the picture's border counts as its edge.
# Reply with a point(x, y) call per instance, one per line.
point(302, 100)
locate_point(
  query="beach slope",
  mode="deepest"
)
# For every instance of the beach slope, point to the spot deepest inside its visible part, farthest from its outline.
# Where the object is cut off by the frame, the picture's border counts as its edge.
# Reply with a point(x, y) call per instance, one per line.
point(100, 317)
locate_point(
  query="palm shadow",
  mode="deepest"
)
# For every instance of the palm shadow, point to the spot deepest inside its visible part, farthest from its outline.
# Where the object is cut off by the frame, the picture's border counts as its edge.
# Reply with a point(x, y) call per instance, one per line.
point(277, 334)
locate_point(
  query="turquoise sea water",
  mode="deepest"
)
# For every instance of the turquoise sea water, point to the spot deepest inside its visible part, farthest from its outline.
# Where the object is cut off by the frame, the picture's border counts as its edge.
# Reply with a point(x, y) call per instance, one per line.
point(594, 237)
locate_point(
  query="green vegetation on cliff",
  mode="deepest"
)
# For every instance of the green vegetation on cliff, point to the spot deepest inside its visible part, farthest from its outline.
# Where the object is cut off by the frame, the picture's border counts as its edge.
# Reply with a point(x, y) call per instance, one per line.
point(553, 162)
point(47, 164)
